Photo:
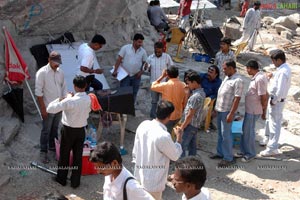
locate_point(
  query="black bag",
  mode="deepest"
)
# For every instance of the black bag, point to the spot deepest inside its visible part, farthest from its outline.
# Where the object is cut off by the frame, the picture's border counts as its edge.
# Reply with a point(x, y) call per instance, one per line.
point(124, 188)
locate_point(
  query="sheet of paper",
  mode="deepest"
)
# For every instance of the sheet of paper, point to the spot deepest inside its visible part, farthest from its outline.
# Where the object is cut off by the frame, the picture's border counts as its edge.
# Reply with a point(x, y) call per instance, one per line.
point(122, 73)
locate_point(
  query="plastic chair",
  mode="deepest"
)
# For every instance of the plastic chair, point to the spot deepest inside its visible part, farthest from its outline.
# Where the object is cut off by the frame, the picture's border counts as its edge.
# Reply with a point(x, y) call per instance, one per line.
point(208, 116)
point(177, 38)
point(205, 108)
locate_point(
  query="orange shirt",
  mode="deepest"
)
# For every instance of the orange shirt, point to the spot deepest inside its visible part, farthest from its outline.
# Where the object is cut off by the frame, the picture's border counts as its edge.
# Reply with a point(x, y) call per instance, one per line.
point(174, 91)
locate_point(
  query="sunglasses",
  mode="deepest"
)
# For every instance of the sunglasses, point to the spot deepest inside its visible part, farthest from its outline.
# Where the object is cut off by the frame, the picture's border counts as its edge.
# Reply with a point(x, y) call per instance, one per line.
point(211, 69)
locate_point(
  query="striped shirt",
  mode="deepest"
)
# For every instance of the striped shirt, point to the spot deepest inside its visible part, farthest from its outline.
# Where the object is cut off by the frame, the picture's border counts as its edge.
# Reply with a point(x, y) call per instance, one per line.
point(230, 88)
point(220, 58)
point(158, 64)
point(195, 102)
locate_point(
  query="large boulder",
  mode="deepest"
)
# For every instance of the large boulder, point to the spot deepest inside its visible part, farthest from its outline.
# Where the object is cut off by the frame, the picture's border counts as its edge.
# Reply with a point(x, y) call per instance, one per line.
point(285, 21)
point(232, 30)
point(36, 22)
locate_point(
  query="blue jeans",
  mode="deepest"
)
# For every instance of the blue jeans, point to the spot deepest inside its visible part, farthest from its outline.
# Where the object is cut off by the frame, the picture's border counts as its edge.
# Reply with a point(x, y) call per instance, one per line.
point(189, 141)
point(49, 131)
point(131, 81)
point(247, 145)
point(224, 147)
point(155, 98)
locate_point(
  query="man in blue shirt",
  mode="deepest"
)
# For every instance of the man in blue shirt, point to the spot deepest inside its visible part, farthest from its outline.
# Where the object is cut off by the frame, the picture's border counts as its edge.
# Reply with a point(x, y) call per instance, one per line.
point(211, 81)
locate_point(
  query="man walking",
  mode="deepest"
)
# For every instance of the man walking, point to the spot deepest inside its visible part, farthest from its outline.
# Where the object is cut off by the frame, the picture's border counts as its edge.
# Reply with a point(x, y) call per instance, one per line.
point(251, 26)
point(131, 58)
point(49, 85)
point(229, 95)
point(76, 109)
point(278, 93)
point(154, 148)
point(256, 101)
point(86, 58)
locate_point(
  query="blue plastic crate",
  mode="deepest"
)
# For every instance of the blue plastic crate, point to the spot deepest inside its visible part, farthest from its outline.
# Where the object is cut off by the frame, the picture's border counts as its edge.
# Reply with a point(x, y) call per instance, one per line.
point(236, 130)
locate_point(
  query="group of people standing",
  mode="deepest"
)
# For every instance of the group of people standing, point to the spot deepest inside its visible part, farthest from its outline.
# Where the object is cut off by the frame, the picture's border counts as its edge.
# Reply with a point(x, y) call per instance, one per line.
point(179, 110)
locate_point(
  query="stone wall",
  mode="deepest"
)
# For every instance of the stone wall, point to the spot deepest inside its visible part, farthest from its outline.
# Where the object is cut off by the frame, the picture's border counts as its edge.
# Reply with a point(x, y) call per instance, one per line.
point(32, 22)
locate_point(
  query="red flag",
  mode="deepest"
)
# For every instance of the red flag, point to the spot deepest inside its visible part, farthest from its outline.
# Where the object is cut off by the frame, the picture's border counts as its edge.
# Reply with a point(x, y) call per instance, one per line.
point(16, 68)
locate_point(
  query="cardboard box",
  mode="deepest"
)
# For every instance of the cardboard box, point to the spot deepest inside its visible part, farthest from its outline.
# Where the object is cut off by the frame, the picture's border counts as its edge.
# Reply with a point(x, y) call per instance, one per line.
point(88, 168)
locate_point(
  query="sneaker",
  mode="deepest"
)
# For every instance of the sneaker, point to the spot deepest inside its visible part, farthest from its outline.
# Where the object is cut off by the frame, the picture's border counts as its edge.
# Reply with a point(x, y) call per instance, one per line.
point(226, 163)
point(238, 155)
point(264, 142)
point(268, 152)
point(247, 159)
point(123, 151)
point(215, 156)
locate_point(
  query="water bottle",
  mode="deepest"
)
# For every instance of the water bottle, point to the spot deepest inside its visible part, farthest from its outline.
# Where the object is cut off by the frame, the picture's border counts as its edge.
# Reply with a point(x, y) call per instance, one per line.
point(93, 137)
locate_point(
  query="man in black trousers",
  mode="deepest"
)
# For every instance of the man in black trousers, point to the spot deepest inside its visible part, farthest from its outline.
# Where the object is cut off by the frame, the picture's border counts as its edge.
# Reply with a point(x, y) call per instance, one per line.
point(75, 112)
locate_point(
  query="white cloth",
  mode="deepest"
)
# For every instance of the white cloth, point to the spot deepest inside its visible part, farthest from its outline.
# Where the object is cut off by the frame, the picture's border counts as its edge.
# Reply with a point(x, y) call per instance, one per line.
point(152, 151)
point(86, 58)
point(132, 60)
point(281, 84)
point(251, 24)
point(50, 84)
point(158, 64)
point(75, 109)
point(113, 190)
point(203, 195)
point(279, 90)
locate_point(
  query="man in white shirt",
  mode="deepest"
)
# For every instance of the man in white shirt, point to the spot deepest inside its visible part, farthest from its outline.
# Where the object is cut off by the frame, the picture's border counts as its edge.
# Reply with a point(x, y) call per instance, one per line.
point(86, 59)
point(250, 26)
point(49, 85)
point(154, 148)
point(189, 178)
point(76, 108)
point(131, 58)
point(278, 93)
point(118, 179)
point(157, 62)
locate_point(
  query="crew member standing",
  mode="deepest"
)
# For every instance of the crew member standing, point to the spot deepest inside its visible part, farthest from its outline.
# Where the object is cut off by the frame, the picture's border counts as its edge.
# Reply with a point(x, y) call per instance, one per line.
point(76, 109)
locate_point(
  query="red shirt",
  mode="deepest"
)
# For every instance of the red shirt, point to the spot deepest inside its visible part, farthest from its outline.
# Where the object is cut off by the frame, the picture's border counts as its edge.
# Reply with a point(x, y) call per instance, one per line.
point(186, 4)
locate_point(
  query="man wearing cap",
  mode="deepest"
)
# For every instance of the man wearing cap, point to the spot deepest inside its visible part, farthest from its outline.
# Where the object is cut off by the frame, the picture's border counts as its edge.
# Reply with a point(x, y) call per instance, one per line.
point(250, 26)
point(49, 85)
point(224, 54)
point(86, 58)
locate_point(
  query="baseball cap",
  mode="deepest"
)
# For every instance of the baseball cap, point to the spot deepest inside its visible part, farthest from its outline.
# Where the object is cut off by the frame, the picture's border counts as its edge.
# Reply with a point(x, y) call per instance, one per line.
point(55, 57)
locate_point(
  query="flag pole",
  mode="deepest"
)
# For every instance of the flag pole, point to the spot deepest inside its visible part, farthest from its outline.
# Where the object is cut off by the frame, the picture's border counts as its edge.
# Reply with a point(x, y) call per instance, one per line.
point(8, 38)
point(35, 103)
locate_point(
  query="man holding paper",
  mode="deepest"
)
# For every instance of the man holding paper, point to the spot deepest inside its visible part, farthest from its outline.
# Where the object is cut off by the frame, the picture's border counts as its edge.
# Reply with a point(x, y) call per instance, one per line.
point(86, 58)
point(131, 58)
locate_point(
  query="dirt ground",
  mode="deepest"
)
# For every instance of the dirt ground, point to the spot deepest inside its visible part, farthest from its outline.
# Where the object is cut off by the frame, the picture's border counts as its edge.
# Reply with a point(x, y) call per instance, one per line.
point(262, 178)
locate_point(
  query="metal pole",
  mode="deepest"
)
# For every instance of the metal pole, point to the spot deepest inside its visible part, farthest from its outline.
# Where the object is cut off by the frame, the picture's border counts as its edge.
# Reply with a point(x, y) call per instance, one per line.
point(35, 164)
point(37, 107)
